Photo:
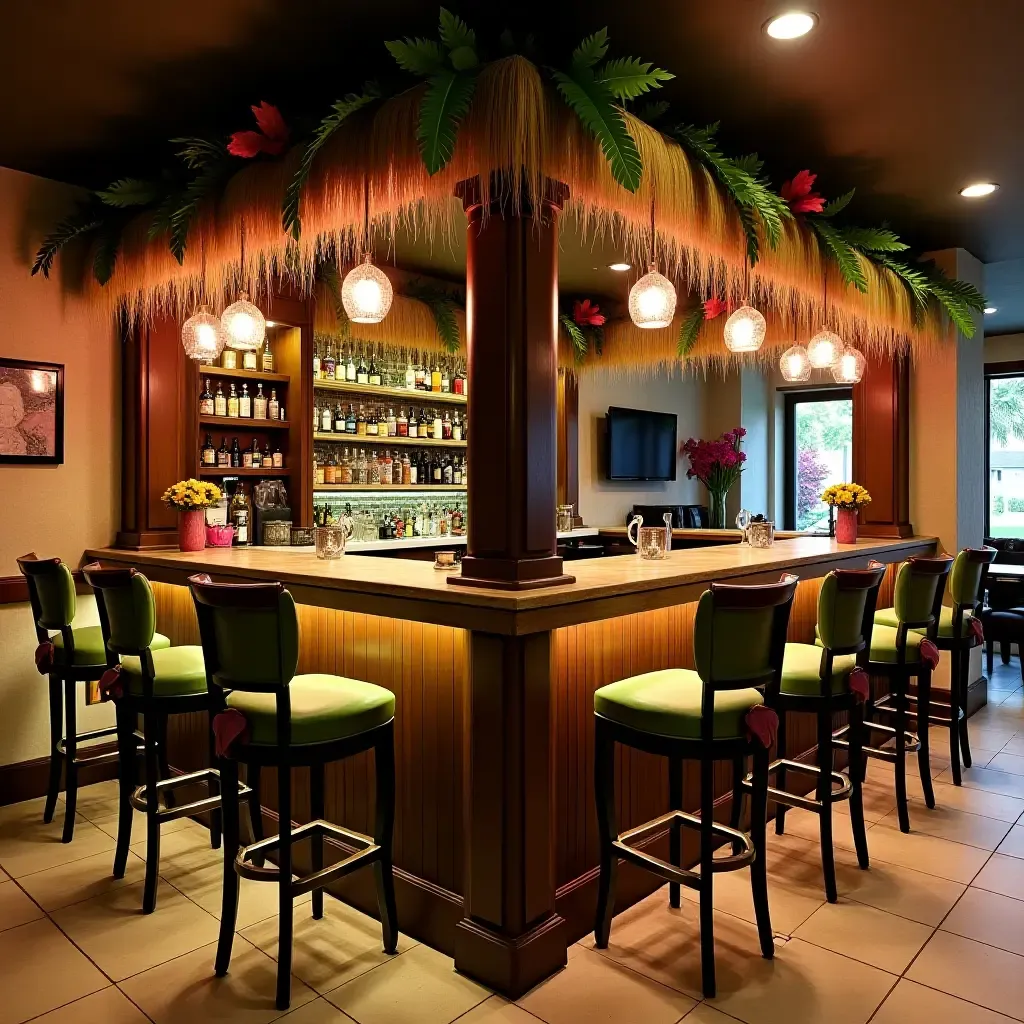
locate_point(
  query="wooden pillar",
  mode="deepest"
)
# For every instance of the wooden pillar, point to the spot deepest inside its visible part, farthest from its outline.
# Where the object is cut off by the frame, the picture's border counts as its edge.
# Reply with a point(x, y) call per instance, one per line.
point(881, 445)
point(568, 412)
point(510, 937)
point(511, 316)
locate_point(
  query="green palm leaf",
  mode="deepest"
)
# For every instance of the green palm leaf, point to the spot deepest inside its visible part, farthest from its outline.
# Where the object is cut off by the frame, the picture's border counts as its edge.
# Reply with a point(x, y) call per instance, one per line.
point(417, 56)
point(198, 152)
point(593, 104)
point(590, 51)
point(959, 299)
point(104, 255)
point(628, 78)
point(689, 331)
point(132, 192)
point(576, 336)
point(846, 257)
point(81, 222)
point(446, 323)
point(873, 239)
point(443, 106)
point(201, 188)
point(839, 203)
point(455, 33)
point(914, 279)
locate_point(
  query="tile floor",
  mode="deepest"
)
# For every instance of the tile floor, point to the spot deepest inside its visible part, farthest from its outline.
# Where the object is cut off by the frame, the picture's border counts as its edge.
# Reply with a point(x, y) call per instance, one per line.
point(933, 933)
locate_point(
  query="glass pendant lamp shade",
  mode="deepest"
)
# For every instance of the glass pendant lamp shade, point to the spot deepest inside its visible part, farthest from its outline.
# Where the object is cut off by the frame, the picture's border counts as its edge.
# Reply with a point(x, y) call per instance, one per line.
point(245, 325)
point(744, 330)
point(849, 369)
point(652, 300)
point(366, 293)
point(794, 365)
point(203, 336)
point(824, 349)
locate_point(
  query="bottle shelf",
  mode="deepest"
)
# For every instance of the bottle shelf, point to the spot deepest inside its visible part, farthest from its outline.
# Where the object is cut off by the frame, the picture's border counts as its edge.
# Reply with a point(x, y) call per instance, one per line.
point(243, 423)
point(215, 471)
point(256, 375)
point(403, 394)
point(386, 488)
point(386, 442)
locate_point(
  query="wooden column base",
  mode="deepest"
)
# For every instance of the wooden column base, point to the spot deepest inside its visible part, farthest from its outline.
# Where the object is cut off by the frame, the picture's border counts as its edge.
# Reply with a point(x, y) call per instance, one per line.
point(511, 966)
point(501, 574)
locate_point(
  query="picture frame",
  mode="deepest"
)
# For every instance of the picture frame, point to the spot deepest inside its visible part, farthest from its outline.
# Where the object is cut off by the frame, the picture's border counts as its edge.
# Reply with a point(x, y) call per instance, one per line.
point(31, 413)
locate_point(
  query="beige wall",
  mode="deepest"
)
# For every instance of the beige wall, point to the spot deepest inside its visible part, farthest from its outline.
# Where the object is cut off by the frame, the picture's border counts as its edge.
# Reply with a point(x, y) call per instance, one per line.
point(53, 510)
point(1007, 348)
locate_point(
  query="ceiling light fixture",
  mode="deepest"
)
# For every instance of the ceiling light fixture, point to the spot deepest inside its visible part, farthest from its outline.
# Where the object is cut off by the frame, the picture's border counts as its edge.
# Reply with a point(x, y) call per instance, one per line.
point(620, 268)
point(849, 369)
point(203, 336)
point(794, 365)
point(366, 292)
point(978, 189)
point(652, 300)
point(989, 310)
point(791, 25)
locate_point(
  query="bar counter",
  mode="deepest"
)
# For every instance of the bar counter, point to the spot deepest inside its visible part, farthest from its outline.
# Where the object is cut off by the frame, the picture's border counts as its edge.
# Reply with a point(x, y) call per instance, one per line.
point(496, 846)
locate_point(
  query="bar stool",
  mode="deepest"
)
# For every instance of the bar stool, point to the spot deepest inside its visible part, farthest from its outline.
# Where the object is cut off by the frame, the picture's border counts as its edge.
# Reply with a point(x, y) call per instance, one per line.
point(823, 680)
point(69, 655)
point(959, 631)
point(708, 715)
point(275, 718)
point(153, 684)
point(904, 653)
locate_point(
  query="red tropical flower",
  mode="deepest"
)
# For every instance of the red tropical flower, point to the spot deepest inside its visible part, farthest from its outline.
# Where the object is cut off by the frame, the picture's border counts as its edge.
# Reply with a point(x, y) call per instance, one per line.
point(587, 314)
point(713, 308)
point(271, 138)
point(797, 192)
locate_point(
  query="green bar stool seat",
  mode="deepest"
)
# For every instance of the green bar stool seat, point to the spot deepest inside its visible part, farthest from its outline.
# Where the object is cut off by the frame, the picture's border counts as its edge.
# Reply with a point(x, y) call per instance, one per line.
point(959, 631)
point(152, 683)
point(825, 679)
point(716, 712)
point(272, 717)
point(88, 646)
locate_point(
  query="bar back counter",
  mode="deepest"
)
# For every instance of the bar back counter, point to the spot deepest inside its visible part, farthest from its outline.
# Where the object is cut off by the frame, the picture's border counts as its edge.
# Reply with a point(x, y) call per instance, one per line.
point(496, 846)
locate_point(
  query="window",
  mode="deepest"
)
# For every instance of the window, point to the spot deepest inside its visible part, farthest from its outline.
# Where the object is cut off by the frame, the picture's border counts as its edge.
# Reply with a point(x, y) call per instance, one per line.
point(819, 452)
point(1005, 451)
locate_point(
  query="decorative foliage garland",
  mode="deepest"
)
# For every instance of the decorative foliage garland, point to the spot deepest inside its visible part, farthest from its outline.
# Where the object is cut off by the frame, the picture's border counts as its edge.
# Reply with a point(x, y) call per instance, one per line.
point(584, 323)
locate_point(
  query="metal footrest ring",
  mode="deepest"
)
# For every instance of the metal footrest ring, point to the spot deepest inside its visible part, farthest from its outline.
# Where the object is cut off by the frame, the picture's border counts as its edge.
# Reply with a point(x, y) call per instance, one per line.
point(209, 803)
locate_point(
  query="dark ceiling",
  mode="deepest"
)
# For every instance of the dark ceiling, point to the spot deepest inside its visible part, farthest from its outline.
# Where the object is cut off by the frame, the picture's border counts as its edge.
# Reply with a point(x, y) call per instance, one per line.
point(905, 99)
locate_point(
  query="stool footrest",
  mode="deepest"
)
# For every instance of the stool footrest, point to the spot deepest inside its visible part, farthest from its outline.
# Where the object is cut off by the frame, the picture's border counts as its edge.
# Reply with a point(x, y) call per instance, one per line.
point(209, 803)
point(944, 720)
point(913, 743)
point(784, 796)
point(90, 759)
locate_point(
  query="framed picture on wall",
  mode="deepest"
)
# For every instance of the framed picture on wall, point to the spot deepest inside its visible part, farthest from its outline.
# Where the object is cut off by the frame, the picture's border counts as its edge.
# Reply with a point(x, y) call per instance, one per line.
point(31, 413)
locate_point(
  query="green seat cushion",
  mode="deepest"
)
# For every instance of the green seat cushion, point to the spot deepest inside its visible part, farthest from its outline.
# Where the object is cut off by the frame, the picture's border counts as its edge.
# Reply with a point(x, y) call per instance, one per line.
point(801, 671)
point(324, 708)
point(89, 646)
point(883, 645)
point(177, 672)
point(667, 703)
point(888, 617)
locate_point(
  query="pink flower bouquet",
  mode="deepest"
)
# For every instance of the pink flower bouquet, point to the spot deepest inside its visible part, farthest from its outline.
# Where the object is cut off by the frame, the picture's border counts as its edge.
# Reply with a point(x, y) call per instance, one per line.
point(717, 465)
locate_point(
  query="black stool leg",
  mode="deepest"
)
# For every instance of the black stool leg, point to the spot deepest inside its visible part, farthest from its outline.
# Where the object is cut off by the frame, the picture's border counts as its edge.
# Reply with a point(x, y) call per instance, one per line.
point(70, 759)
point(316, 813)
point(126, 770)
point(707, 877)
point(824, 796)
point(1005, 650)
point(900, 767)
point(284, 891)
point(965, 681)
point(252, 780)
point(215, 788)
point(383, 836)
point(990, 650)
point(759, 869)
point(955, 666)
point(856, 751)
point(675, 801)
point(151, 776)
point(780, 776)
point(607, 830)
point(161, 754)
point(924, 707)
point(229, 895)
point(56, 735)
point(739, 771)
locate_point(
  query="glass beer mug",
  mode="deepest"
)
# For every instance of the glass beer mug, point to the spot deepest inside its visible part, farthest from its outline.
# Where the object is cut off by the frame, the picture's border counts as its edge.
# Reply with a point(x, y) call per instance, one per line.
point(650, 541)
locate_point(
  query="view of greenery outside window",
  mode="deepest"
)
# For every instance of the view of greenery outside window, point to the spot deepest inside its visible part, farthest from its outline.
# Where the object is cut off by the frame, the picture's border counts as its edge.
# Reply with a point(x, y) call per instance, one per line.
point(822, 438)
point(1006, 457)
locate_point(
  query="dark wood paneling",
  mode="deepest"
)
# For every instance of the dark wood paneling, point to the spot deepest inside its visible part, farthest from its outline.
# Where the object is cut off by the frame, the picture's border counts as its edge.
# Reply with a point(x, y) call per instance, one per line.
point(27, 780)
point(568, 414)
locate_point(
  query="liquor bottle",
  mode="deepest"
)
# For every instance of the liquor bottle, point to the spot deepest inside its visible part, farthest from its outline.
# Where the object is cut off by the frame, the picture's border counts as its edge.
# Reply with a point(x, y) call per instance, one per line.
point(465, 472)
point(446, 381)
point(247, 459)
point(220, 403)
point(438, 433)
point(350, 366)
point(396, 468)
point(361, 474)
point(459, 383)
point(325, 420)
point(419, 377)
point(437, 471)
point(424, 424)
point(233, 402)
point(362, 373)
point(339, 420)
point(447, 428)
point(245, 403)
point(257, 455)
point(457, 471)
point(236, 454)
point(350, 420)
point(206, 400)
point(280, 413)
point(435, 378)
point(456, 427)
point(406, 469)
point(447, 473)
point(373, 374)
point(361, 423)
point(277, 459)
point(240, 513)
point(229, 359)
point(318, 468)
point(413, 425)
point(249, 359)
point(410, 375)
point(371, 424)
point(339, 366)
point(382, 423)
point(273, 406)
point(316, 360)
point(208, 454)
point(392, 424)
point(345, 468)
point(259, 404)
point(223, 454)
point(414, 469)
point(268, 357)
point(402, 424)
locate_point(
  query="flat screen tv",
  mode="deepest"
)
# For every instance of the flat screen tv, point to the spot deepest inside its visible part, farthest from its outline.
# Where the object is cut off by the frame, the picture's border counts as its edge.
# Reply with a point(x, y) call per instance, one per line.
point(641, 445)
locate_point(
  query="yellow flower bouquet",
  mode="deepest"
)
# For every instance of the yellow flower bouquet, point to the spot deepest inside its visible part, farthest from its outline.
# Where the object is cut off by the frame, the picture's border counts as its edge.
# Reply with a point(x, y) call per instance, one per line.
point(848, 496)
point(189, 495)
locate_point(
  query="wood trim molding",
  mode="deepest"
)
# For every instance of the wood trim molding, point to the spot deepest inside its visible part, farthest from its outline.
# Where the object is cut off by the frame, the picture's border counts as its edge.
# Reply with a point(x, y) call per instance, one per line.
point(26, 780)
point(14, 589)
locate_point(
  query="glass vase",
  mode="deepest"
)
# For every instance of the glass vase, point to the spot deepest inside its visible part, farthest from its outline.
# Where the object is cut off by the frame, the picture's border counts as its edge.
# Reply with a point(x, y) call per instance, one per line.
point(716, 509)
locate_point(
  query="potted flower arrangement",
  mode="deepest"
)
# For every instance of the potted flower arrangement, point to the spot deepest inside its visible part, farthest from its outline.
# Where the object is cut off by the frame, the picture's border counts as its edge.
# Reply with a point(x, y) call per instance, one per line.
point(191, 498)
point(848, 499)
point(717, 465)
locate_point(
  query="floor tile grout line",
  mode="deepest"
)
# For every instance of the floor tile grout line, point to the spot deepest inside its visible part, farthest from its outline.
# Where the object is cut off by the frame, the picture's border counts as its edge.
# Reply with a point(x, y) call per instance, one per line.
point(885, 998)
point(850, 956)
point(963, 999)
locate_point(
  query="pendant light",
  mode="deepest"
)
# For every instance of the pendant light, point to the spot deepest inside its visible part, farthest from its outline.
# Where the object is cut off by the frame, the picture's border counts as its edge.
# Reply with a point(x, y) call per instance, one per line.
point(850, 367)
point(826, 347)
point(745, 329)
point(652, 300)
point(244, 324)
point(794, 365)
point(202, 334)
point(366, 292)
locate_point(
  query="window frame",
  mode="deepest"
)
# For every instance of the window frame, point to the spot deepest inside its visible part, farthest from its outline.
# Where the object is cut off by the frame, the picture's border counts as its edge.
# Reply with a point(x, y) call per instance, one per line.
point(994, 371)
point(792, 397)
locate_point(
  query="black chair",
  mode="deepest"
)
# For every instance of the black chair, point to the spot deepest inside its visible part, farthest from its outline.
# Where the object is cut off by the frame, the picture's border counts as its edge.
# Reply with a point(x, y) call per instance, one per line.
point(683, 516)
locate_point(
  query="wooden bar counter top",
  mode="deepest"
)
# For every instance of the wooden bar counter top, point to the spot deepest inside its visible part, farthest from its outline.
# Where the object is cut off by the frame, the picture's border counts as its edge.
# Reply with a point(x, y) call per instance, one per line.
point(496, 846)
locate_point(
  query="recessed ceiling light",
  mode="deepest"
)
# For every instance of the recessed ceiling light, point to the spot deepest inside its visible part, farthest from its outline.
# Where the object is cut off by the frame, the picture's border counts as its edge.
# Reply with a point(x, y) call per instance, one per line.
point(979, 188)
point(791, 25)
point(620, 267)
point(988, 310)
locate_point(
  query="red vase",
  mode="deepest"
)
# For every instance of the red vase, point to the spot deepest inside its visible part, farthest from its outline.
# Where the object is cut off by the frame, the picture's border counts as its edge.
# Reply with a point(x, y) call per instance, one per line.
point(192, 530)
point(846, 526)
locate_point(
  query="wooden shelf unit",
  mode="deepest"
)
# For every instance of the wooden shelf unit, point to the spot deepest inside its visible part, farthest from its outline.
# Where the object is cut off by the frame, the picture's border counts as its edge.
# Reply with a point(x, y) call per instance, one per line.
point(385, 488)
point(255, 375)
point(247, 423)
point(387, 442)
point(205, 472)
point(403, 394)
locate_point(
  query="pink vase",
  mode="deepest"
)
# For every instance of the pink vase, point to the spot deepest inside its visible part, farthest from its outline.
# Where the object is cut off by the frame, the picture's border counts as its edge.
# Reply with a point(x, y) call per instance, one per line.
point(846, 526)
point(192, 530)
